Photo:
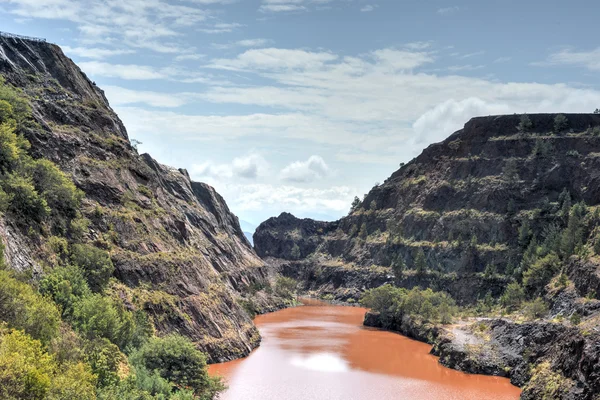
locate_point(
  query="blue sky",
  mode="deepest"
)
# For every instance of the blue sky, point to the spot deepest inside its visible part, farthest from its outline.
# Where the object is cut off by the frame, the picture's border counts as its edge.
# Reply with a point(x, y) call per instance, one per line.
point(299, 105)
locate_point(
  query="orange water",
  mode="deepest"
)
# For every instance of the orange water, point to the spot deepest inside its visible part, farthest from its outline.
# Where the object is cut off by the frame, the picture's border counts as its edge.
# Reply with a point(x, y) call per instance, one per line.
point(323, 352)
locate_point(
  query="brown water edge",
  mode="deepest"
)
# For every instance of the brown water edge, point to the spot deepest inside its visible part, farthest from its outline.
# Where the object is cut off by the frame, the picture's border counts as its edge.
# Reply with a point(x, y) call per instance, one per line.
point(322, 352)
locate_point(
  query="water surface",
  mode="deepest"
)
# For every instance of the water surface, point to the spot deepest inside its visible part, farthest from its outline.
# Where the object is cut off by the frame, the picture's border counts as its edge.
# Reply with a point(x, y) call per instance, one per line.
point(322, 352)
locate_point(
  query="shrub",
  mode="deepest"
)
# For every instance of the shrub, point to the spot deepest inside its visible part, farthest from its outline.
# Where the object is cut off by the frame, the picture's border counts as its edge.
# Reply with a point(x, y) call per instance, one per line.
point(25, 369)
point(105, 360)
point(65, 285)
point(525, 124)
point(510, 171)
point(420, 262)
point(535, 309)
point(60, 193)
point(285, 287)
point(6, 111)
point(99, 317)
point(26, 204)
point(22, 308)
point(540, 273)
point(513, 296)
point(176, 359)
point(10, 148)
point(76, 381)
point(95, 264)
point(561, 123)
point(575, 319)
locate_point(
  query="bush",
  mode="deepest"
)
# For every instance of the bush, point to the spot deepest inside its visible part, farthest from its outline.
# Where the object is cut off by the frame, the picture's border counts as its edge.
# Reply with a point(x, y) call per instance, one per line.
point(95, 264)
point(22, 308)
point(27, 371)
point(285, 287)
point(99, 317)
point(66, 286)
point(561, 123)
point(525, 124)
point(26, 204)
point(540, 273)
point(535, 309)
point(105, 360)
point(420, 262)
point(393, 303)
point(513, 296)
point(60, 193)
point(176, 359)
point(10, 147)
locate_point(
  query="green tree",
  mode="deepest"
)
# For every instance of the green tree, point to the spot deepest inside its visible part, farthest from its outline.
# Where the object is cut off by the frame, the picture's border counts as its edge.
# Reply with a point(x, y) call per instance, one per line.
point(25, 369)
point(540, 273)
point(176, 359)
point(398, 266)
point(66, 286)
point(100, 317)
point(356, 203)
point(510, 172)
point(420, 261)
point(561, 123)
point(524, 233)
point(26, 204)
point(525, 124)
point(22, 308)
point(513, 296)
point(94, 263)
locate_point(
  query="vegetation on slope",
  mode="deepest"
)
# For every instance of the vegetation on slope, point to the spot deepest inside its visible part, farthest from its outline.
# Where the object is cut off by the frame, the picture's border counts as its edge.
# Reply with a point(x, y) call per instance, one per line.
point(68, 336)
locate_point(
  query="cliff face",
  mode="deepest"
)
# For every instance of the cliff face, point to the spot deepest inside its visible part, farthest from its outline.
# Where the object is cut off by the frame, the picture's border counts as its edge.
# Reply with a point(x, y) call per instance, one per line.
point(461, 202)
point(177, 249)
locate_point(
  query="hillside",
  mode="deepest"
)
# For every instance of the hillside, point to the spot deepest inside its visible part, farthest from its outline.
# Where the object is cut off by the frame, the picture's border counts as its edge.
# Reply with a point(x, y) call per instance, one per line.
point(502, 218)
point(462, 202)
point(177, 255)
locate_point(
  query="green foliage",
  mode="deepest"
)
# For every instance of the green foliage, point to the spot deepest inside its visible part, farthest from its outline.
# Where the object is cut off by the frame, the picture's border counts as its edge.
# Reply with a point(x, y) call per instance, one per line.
point(363, 233)
point(176, 359)
point(420, 262)
point(373, 205)
point(561, 123)
point(6, 111)
point(524, 233)
point(513, 296)
point(510, 172)
point(105, 360)
point(575, 319)
point(295, 253)
point(11, 147)
point(285, 287)
point(542, 149)
point(22, 308)
point(28, 372)
point(573, 236)
point(25, 369)
point(21, 111)
point(26, 204)
point(525, 124)
point(490, 271)
point(100, 317)
point(66, 286)
point(356, 203)
point(535, 309)
point(56, 189)
point(95, 264)
point(393, 303)
point(398, 266)
point(539, 274)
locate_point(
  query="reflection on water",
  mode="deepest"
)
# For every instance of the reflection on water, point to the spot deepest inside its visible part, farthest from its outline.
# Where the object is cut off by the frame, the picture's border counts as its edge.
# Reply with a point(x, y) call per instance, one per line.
point(323, 352)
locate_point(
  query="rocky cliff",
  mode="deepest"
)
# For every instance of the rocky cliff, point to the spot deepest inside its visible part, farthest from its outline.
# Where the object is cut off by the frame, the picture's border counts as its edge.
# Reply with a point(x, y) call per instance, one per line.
point(462, 203)
point(178, 251)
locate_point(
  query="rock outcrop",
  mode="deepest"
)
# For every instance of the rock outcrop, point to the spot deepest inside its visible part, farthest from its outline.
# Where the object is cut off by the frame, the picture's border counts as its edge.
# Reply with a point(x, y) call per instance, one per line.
point(174, 242)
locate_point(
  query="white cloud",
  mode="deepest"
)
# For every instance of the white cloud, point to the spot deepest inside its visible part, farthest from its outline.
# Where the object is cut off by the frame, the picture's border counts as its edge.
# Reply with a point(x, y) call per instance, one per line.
point(221, 28)
point(585, 59)
point(95, 53)
point(121, 96)
point(315, 168)
point(136, 23)
point(502, 60)
point(242, 43)
point(402, 60)
point(272, 58)
point(248, 167)
point(368, 8)
point(451, 115)
point(448, 10)
point(467, 67)
point(294, 199)
point(122, 71)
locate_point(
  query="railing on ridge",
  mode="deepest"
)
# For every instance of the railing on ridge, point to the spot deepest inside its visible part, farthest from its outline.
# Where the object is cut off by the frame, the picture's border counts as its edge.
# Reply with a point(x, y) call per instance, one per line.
point(13, 36)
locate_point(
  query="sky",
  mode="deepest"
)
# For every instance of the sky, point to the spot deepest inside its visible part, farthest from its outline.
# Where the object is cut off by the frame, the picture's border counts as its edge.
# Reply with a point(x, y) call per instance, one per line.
point(300, 105)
